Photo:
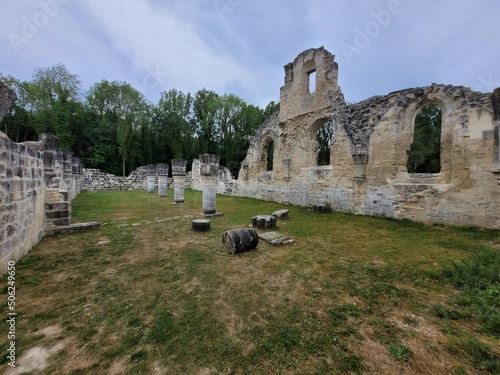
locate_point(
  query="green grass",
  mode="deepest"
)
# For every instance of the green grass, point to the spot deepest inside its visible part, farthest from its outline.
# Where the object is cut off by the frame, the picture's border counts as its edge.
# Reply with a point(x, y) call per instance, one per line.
point(355, 294)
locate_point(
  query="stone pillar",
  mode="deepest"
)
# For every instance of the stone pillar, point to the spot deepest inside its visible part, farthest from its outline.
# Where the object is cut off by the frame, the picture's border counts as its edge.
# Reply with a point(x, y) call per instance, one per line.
point(162, 171)
point(150, 177)
point(360, 159)
point(7, 98)
point(179, 175)
point(209, 165)
point(67, 169)
point(50, 145)
point(75, 167)
point(287, 167)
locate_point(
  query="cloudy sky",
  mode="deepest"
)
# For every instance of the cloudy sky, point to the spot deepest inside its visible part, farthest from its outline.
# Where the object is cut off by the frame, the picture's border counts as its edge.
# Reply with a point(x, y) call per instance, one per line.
point(241, 46)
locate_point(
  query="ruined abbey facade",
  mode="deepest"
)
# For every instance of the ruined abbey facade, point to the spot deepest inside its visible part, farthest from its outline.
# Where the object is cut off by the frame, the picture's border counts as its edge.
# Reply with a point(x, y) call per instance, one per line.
point(367, 173)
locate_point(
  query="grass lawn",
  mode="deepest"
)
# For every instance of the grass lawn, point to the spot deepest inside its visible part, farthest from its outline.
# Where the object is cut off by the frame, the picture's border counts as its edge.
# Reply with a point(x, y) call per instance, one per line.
point(147, 295)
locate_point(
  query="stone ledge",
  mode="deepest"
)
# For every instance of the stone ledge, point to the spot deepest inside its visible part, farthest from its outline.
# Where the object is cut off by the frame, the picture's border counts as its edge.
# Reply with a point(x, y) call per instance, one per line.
point(93, 225)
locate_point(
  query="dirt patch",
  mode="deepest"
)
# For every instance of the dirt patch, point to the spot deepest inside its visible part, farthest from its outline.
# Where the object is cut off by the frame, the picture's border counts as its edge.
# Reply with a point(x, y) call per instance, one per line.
point(36, 359)
point(51, 331)
point(118, 367)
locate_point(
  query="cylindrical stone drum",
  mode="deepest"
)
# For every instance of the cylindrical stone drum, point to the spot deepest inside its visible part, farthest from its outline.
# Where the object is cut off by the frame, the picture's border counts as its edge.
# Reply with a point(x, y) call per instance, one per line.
point(151, 184)
point(179, 182)
point(239, 240)
point(162, 186)
point(209, 203)
point(200, 225)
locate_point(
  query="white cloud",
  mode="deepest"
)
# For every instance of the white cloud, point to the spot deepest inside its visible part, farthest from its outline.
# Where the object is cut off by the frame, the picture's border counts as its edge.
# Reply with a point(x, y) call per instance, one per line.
point(155, 40)
point(451, 41)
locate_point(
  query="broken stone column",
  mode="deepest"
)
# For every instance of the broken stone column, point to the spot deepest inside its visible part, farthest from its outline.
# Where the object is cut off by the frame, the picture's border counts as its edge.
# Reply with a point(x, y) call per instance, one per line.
point(209, 165)
point(162, 171)
point(150, 177)
point(179, 175)
point(239, 240)
point(7, 98)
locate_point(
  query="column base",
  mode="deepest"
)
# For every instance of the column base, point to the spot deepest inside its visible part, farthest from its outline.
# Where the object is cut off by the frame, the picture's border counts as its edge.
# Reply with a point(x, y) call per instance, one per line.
point(213, 214)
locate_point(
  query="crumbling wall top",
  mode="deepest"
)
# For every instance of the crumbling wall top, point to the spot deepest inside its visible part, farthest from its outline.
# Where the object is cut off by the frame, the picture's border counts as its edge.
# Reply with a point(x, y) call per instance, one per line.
point(310, 81)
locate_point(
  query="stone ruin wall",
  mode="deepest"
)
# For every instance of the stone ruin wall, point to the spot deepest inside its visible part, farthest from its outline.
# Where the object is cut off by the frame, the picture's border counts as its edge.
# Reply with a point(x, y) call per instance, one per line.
point(367, 172)
point(226, 184)
point(96, 180)
point(37, 183)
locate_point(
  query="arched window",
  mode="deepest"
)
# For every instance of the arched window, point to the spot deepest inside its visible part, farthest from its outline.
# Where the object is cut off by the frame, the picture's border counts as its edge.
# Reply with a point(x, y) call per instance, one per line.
point(269, 155)
point(325, 140)
point(425, 152)
point(312, 81)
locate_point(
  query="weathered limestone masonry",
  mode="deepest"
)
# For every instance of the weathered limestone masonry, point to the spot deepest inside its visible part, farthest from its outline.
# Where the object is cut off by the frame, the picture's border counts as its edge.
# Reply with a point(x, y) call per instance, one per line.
point(162, 176)
point(37, 184)
point(22, 188)
point(179, 175)
point(367, 172)
point(96, 180)
point(225, 183)
point(62, 180)
point(209, 165)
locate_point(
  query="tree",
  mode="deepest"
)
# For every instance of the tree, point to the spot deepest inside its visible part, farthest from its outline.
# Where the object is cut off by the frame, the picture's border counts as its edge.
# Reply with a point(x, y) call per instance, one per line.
point(325, 140)
point(425, 152)
point(204, 109)
point(270, 109)
point(172, 127)
point(54, 84)
point(120, 111)
point(18, 121)
point(49, 103)
point(54, 97)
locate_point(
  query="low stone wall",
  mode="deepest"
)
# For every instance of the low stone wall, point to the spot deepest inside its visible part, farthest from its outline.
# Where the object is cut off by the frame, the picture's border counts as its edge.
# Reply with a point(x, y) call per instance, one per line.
point(226, 184)
point(32, 175)
point(96, 180)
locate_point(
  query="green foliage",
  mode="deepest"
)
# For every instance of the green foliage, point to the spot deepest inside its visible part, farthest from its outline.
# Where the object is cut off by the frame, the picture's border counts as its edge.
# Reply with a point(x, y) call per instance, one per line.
point(113, 127)
point(480, 272)
point(399, 351)
point(425, 152)
point(325, 140)
point(270, 156)
point(478, 353)
point(479, 280)
point(444, 312)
